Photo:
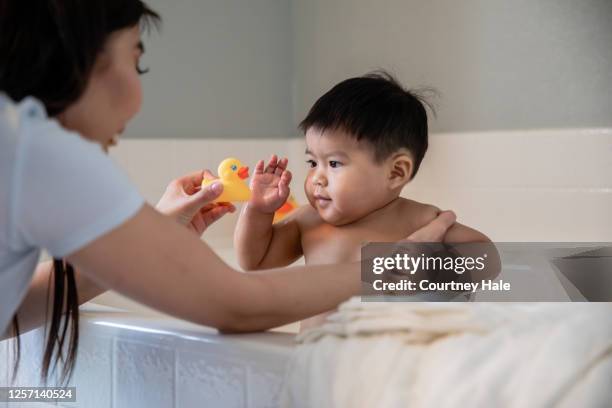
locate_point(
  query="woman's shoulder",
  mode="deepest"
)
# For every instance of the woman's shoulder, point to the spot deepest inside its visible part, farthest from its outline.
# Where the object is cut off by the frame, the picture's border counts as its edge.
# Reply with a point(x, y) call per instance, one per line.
point(24, 125)
point(15, 114)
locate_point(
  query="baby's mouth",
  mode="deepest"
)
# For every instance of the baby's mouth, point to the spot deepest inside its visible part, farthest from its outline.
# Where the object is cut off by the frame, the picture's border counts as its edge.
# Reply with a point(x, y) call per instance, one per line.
point(322, 201)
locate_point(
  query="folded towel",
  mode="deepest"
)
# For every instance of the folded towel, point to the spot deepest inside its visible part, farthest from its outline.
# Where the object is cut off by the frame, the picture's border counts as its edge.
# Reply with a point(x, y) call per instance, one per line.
point(417, 322)
point(455, 355)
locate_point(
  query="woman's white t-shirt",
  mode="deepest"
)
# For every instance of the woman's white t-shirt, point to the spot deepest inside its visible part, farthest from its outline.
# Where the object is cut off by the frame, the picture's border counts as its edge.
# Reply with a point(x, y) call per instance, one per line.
point(58, 192)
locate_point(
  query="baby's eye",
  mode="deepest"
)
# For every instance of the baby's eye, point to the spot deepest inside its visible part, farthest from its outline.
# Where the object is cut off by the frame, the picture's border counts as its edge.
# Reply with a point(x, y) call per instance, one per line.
point(234, 167)
point(311, 163)
point(333, 164)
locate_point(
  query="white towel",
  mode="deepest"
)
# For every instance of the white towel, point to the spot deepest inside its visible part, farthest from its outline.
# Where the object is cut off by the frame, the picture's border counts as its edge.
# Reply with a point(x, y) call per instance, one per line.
point(455, 355)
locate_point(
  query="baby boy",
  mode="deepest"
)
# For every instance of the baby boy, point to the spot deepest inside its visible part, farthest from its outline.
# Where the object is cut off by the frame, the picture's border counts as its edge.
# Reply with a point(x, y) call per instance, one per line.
point(365, 140)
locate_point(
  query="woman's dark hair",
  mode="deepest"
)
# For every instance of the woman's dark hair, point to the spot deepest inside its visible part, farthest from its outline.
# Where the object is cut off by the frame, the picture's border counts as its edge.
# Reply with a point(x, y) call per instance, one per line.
point(47, 50)
point(48, 47)
point(377, 109)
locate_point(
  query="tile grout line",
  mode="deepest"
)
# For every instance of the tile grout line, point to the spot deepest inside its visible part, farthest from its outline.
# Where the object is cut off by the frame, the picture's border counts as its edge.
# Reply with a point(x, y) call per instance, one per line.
point(112, 372)
point(175, 382)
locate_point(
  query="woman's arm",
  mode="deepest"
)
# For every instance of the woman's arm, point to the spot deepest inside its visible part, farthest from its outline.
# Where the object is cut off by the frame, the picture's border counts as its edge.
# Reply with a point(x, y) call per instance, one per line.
point(156, 261)
point(184, 201)
point(153, 260)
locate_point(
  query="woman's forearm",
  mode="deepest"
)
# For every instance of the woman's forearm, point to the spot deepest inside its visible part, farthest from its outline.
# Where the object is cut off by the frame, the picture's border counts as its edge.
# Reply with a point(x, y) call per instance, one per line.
point(157, 262)
point(160, 264)
point(86, 288)
point(280, 296)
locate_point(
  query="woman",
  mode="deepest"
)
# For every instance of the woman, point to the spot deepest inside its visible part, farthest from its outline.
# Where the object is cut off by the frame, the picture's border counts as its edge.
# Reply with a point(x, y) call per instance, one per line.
point(77, 63)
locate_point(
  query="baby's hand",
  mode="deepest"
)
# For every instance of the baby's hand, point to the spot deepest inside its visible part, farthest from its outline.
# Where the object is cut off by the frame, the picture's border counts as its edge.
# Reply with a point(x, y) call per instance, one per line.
point(270, 186)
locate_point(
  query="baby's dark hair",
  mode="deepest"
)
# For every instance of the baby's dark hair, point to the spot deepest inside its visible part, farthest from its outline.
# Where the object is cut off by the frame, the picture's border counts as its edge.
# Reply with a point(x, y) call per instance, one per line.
point(374, 108)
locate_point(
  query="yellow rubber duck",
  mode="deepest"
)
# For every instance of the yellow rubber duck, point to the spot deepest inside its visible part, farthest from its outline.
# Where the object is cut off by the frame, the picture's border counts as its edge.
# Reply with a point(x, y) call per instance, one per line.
point(232, 175)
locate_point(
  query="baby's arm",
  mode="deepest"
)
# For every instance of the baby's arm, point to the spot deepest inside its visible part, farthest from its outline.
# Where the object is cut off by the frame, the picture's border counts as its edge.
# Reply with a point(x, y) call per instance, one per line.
point(260, 244)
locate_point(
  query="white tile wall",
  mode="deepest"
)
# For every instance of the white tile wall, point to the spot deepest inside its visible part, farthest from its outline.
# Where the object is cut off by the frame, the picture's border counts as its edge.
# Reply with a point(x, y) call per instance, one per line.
point(127, 361)
point(28, 375)
point(209, 380)
point(265, 386)
point(93, 372)
point(31, 350)
point(536, 185)
point(143, 376)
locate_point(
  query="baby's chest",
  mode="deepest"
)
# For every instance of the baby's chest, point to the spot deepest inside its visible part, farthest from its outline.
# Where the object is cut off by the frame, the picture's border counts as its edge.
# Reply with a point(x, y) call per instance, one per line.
point(325, 244)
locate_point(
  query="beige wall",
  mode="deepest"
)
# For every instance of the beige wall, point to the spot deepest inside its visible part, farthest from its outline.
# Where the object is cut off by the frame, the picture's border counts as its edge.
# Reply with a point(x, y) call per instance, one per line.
point(498, 64)
point(219, 68)
point(252, 68)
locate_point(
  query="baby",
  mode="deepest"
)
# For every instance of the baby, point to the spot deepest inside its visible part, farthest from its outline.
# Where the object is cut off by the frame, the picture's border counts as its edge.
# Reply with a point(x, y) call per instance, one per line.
point(365, 139)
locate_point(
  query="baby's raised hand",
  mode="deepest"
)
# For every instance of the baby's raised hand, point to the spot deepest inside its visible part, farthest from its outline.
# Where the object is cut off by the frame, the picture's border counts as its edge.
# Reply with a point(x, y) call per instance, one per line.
point(270, 185)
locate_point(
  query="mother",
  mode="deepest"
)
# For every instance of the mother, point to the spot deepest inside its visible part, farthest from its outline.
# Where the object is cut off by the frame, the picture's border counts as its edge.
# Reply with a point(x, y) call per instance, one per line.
point(73, 65)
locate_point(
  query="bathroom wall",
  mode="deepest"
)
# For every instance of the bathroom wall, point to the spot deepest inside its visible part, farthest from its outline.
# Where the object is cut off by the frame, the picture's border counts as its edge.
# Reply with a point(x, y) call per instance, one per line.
point(498, 64)
point(251, 68)
point(515, 186)
point(218, 68)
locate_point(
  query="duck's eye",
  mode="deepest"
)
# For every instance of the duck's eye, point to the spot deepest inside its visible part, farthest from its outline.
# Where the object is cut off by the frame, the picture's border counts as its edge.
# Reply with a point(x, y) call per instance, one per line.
point(234, 167)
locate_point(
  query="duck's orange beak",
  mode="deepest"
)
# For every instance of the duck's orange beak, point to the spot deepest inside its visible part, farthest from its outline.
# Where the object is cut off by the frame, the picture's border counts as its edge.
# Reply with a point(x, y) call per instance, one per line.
point(243, 172)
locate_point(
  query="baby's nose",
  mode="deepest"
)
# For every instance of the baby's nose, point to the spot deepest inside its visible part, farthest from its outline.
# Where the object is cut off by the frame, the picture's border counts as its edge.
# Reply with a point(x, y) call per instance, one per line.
point(319, 179)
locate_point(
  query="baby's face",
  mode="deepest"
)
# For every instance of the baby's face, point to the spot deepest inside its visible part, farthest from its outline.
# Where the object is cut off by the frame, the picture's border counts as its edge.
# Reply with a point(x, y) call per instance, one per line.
point(344, 183)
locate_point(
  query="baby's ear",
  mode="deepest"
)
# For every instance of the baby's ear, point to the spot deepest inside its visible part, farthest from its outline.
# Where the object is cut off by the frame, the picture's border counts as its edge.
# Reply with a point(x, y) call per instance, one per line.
point(401, 166)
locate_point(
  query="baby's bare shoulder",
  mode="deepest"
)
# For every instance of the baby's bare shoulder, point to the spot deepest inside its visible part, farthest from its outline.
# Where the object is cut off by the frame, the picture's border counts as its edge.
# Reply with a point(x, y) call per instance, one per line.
point(425, 213)
point(422, 213)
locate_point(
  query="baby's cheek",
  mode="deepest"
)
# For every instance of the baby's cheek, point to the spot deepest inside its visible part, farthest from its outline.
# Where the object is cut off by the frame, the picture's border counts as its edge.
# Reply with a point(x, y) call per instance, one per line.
point(308, 192)
point(345, 196)
point(359, 200)
point(308, 188)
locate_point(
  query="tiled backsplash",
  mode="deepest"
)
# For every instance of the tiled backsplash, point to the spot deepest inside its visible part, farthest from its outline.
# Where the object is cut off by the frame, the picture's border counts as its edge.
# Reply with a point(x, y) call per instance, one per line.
point(127, 361)
point(536, 185)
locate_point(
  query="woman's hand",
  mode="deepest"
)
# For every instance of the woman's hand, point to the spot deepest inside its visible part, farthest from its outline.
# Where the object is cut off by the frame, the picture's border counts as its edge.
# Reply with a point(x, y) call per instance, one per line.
point(435, 230)
point(186, 201)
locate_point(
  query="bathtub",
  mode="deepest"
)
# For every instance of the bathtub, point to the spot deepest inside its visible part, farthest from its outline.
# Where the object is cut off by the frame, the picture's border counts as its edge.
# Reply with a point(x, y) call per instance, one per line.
point(526, 186)
point(128, 359)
